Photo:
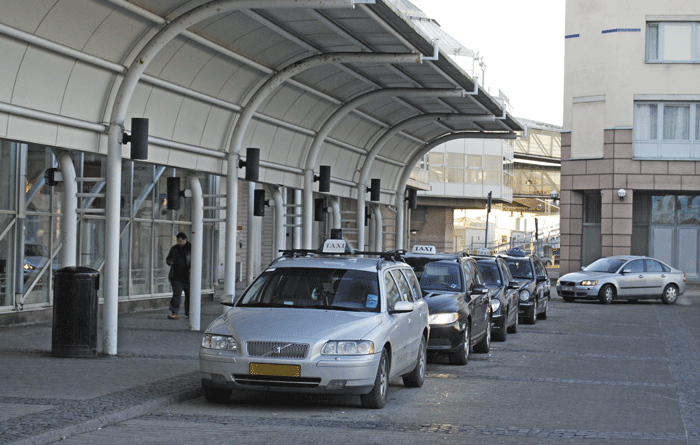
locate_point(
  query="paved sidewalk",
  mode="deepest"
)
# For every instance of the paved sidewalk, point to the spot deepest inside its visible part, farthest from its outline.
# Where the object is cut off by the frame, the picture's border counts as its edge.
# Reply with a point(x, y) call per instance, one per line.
point(44, 399)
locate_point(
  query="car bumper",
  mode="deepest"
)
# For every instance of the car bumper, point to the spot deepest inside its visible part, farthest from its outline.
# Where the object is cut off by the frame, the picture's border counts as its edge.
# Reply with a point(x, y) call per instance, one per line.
point(497, 323)
point(578, 291)
point(334, 374)
point(445, 338)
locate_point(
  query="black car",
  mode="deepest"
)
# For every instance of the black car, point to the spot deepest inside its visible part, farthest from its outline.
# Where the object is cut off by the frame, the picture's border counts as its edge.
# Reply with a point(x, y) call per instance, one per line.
point(505, 299)
point(534, 294)
point(458, 303)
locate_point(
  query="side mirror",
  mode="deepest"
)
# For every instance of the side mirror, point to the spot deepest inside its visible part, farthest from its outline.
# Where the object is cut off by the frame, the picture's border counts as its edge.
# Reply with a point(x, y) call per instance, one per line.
point(402, 307)
point(624, 271)
point(228, 300)
point(513, 285)
point(480, 289)
point(541, 279)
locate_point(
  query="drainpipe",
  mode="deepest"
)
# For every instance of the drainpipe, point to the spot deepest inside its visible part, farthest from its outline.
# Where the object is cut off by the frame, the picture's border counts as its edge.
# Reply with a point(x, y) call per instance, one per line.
point(197, 236)
point(69, 217)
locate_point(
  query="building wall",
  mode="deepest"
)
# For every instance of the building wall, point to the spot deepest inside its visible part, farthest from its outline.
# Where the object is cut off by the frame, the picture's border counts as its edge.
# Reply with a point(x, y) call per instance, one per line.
point(605, 72)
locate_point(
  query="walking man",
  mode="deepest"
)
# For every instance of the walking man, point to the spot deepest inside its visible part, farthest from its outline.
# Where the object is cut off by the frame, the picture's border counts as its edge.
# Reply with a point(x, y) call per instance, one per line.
point(179, 261)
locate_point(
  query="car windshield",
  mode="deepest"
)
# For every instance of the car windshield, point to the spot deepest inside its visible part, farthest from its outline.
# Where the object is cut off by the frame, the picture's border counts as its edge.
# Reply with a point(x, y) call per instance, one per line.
point(609, 265)
point(316, 288)
point(441, 276)
point(35, 250)
point(519, 267)
point(490, 273)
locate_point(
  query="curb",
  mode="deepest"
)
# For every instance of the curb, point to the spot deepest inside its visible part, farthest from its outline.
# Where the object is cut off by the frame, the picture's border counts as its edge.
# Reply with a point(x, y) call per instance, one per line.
point(110, 419)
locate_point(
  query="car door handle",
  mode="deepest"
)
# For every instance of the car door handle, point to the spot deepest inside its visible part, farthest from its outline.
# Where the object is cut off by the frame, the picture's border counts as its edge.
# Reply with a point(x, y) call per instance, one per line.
point(641, 276)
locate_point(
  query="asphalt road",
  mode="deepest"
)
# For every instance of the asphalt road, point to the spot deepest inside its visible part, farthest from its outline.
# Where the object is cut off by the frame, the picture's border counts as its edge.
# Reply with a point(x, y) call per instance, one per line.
point(627, 373)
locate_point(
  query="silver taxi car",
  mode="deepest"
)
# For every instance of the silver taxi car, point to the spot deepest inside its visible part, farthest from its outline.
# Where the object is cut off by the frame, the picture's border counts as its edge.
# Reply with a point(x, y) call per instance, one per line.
point(321, 323)
point(623, 277)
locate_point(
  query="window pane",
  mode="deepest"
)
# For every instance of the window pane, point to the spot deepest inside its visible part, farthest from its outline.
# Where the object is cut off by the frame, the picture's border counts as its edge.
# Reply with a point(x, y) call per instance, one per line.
point(592, 208)
point(455, 175)
point(689, 210)
point(455, 160)
point(493, 163)
point(473, 161)
point(662, 209)
point(474, 176)
point(437, 174)
point(646, 122)
point(676, 122)
point(492, 177)
point(697, 111)
point(141, 258)
point(436, 158)
point(677, 41)
point(653, 42)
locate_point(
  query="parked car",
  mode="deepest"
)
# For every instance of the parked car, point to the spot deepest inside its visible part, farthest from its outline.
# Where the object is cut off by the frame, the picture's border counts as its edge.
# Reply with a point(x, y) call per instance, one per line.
point(535, 293)
point(320, 323)
point(623, 277)
point(458, 301)
point(505, 299)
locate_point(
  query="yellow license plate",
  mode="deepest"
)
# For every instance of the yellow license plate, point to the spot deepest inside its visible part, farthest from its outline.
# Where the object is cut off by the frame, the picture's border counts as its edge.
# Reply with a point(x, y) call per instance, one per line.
point(275, 370)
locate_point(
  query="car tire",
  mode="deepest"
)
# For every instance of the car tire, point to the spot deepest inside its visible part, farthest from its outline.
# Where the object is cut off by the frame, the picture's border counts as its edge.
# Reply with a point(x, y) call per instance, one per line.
point(513, 329)
point(670, 295)
point(544, 314)
point(606, 294)
point(568, 299)
point(461, 357)
point(377, 397)
point(502, 333)
point(484, 346)
point(217, 395)
point(415, 378)
point(532, 318)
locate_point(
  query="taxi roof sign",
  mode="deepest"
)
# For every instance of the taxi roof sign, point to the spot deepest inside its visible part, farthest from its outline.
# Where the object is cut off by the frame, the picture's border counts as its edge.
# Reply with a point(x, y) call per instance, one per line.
point(336, 246)
point(424, 249)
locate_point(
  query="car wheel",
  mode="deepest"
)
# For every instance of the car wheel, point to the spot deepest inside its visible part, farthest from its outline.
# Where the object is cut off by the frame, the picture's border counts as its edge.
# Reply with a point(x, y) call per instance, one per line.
point(376, 398)
point(607, 294)
point(461, 357)
point(502, 333)
point(415, 378)
point(532, 318)
point(670, 295)
point(513, 329)
point(543, 315)
point(568, 299)
point(484, 346)
point(217, 395)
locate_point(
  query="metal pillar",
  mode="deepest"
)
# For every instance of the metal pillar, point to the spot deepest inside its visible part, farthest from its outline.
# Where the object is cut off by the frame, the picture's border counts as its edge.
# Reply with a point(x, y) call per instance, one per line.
point(69, 216)
point(379, 229)
point(197, 236)
point(279, 241)
point(116, 127)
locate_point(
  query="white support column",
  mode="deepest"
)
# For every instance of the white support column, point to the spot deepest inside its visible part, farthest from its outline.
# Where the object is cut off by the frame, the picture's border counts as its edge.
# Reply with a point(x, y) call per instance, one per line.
point(252, 247)
point(297, 219)
point(379, 229)
point(197, 235)
point(279, 240)
point(69, 214)
point(335, 211)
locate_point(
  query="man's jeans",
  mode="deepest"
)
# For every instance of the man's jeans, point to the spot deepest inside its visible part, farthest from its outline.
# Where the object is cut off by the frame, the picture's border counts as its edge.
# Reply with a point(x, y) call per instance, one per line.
point(178, 287)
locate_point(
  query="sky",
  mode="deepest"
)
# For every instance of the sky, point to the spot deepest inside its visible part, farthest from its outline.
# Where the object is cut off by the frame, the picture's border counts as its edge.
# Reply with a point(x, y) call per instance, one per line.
point(522, 44)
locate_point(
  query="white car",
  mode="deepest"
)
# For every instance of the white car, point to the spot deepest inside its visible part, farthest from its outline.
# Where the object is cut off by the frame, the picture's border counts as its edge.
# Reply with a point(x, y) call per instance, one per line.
point(320, 323)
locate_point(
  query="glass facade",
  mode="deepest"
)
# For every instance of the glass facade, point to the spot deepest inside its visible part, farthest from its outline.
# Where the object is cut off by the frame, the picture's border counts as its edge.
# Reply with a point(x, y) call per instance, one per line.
point(30, 225)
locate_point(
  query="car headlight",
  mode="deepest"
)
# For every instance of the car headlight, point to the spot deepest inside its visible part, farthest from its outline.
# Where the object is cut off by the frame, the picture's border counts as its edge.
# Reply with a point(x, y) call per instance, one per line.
point(345, 347)
point(495, 305)
point(211, 341)
point(524, 295)
point(589, 282)
point(28, 266)
point(446, 318)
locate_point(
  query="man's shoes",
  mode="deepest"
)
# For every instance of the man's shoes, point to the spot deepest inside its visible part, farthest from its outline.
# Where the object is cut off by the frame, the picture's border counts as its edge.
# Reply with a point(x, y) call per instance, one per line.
point(173, 316)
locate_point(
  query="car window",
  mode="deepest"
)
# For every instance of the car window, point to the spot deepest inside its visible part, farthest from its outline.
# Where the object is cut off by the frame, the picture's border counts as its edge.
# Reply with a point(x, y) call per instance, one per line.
point(635, 266)
point(608, 265)
point(539, 268)
point(441, 276)
point(404, 288)
point(505, 272)
point(653, 266)
point(413, 282)
point(308, 287)
point(520, 267)
point(468, 274)
point(392, 291)
point(490, 273)
point(478, 276)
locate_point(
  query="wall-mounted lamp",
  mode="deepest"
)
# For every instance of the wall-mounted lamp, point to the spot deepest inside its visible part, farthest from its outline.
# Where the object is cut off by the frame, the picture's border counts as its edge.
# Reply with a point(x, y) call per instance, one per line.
point(251, 164)
point(412, 199)
point(138, 138)
point(622, 193)
point(554, 195)
point(374, 189)
point(324, 179)
point(319, 209)
point(259, 202)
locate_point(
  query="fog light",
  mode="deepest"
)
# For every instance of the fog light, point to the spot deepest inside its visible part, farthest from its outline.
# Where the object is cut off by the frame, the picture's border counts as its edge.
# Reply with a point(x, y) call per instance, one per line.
point(337, 384)
point(218, 378)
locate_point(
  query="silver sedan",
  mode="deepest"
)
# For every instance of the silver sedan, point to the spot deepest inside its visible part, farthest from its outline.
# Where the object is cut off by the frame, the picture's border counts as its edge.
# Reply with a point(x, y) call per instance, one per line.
point(331, 325)
point(623, 277)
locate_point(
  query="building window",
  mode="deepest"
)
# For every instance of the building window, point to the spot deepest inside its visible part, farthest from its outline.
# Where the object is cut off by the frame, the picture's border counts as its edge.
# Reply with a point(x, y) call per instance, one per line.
point(667, 130)
point(673, 42)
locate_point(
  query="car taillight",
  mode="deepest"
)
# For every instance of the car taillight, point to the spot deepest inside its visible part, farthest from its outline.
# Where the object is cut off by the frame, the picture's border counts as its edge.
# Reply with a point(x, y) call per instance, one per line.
point(684, 277)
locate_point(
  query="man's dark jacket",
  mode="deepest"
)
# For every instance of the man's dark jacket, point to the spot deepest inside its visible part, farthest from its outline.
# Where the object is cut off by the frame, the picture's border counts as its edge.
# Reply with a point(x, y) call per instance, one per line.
point(180, 257)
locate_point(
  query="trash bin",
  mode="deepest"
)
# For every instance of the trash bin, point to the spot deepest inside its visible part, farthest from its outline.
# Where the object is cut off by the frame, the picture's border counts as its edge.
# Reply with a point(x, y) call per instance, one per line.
point(74, 329)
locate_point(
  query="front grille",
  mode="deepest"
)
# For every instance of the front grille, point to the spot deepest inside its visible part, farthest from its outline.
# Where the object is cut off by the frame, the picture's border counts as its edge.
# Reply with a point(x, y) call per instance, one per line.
point(567, 283)
point(269, 349)
point(277, 382)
